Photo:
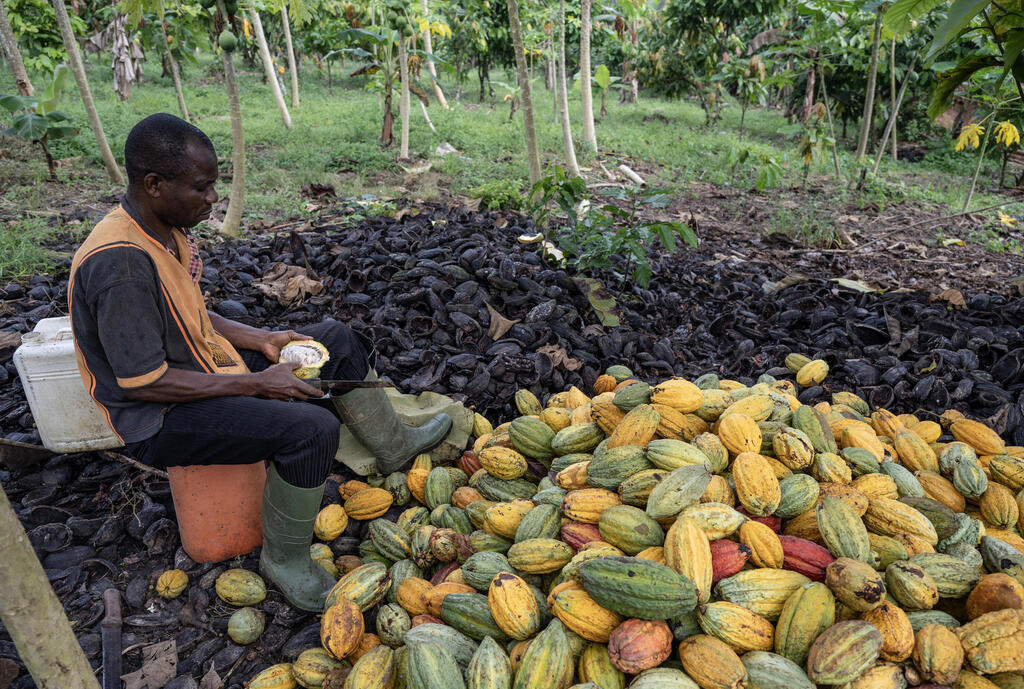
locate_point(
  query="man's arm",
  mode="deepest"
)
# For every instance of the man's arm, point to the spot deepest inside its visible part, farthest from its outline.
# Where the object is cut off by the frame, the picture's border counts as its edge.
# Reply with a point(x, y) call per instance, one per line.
point(242, 336)
point(178, 385)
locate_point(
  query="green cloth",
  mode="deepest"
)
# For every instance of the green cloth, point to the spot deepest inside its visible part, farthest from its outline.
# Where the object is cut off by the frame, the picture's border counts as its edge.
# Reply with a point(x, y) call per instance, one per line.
point(413, 410)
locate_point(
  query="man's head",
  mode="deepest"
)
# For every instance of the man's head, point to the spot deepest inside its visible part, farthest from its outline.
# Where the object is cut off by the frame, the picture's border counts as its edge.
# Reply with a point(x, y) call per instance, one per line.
point(172, 167)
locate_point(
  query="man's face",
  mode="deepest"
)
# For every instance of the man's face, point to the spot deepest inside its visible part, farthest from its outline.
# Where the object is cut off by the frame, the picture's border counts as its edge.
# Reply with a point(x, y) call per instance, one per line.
point(188, 199)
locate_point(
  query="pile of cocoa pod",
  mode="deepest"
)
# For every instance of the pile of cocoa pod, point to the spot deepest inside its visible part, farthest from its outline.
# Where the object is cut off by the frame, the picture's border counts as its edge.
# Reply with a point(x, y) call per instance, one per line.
point(686, 534)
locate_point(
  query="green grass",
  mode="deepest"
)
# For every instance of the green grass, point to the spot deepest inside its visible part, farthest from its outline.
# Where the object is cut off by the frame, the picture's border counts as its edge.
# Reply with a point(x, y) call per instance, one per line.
point(335, 140)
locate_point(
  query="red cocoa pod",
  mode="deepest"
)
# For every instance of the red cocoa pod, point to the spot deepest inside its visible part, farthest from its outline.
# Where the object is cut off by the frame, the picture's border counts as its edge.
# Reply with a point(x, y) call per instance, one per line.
point(469, 462)
point(727, 558)
point(578, 534)
point(806, 557)
point(638, 645)
point(773, 522)
point(443, 573)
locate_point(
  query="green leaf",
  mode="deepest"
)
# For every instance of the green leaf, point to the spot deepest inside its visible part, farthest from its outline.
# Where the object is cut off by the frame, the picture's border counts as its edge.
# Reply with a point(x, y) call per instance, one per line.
point(960, 16)
point(942, 96)
point(28, 126)
point(601, 299)
point(602, 77)
point(664, 232)
point(48, 99)
point(13, 103)
point(1011, 51)
point(900, 16)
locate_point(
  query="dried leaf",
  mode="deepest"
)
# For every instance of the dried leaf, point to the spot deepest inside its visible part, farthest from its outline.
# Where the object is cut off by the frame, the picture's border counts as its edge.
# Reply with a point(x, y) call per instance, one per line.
point(499, 324)
point(9, 339)
point(953, 297)
point(600, 299)
point(211, 680)
point(560, 357)
point(159, 666)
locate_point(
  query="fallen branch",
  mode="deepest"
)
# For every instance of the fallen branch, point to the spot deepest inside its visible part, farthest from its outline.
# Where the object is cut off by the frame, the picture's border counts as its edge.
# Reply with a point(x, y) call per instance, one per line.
point(963, 213)
point(632, 176)
point(124, 459)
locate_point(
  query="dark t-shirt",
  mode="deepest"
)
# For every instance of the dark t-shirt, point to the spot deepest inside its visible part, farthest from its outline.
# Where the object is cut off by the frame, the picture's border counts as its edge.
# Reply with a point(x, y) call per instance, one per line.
point(127, 325)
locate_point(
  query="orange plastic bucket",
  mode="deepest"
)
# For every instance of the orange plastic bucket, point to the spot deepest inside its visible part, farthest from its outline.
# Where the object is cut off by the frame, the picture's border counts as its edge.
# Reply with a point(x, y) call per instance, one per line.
point(218, 509)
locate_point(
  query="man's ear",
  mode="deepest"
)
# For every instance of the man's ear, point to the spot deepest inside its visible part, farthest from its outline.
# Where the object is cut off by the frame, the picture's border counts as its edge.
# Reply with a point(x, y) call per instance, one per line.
point(152, 183)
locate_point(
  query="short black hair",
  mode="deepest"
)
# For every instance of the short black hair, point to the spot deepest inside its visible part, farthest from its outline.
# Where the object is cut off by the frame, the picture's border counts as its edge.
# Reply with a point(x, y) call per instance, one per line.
point(159, 144)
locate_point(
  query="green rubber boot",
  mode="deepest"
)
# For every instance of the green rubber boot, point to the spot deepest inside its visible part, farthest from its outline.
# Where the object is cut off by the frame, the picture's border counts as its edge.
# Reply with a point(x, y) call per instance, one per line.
point(368, 414)
point(288, 515)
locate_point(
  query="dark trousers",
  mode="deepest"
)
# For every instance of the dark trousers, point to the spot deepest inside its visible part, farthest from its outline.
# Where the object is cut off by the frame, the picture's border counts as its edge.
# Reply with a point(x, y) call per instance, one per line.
point(301, 439)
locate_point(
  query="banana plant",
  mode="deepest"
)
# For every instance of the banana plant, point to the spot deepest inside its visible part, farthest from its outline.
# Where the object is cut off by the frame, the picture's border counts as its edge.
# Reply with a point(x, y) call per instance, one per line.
point(36, 118)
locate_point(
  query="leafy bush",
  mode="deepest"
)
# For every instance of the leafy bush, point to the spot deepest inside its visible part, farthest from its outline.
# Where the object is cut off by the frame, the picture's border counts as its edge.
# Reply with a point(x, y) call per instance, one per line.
point(504, 195)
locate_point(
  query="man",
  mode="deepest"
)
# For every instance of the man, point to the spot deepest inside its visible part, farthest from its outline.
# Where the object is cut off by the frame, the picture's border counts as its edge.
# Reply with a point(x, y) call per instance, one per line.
point(181, 385)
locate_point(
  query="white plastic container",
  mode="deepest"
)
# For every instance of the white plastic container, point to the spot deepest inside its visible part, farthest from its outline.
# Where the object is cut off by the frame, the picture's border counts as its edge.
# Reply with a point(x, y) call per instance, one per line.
point(65, 414)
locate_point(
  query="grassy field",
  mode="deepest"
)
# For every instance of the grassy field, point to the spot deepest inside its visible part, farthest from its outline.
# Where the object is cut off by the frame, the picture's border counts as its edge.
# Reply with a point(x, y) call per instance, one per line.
point(335, 140)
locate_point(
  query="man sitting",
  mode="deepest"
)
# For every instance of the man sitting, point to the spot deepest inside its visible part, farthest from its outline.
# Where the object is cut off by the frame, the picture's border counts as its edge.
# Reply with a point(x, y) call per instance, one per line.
point(181, 385)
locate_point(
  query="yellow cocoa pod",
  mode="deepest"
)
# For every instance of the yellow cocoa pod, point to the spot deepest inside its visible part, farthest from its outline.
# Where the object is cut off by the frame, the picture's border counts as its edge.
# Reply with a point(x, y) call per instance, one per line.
point(874, 486)
point(811, 373)
point(757, 488)
point(587, 504)
point(999, 507)
point(742, 629)
point(890, 517)
point(711, 663)
point(527, 403)
point(503, 462)
point(171, 583)
point(607, 416)
point(938, 654)
point(341, 628)
point(573, 477)
point(369, 504)
point(578, 611)
point(688, 551)
point(983, 439)
point(330, 522)
point(941, 489)
point(739, 433)
point(502, 519)
point(885, 423)
point(719, 490)
point(915, 454)
point(513, 606)
point(557, 418)
point(897, 632)
point(681, 395)
point(765, 546)
point(993, 642)
point(637, 427)
point(859, 434)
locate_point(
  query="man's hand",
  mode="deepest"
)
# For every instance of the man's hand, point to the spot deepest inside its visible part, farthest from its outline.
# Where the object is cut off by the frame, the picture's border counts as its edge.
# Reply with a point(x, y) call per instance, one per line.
point(274, 341)
point(279, 383)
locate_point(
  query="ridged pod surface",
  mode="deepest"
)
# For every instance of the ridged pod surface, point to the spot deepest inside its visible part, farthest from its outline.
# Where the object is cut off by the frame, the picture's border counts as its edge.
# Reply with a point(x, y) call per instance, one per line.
point(763, 591)
point(513, 606)
point(711, 663)
point(843, 531)
point(489, 667)
point(739, 433)
point(938, 654)
point(638, 588)
point(638, 645)
point(772, 671)
point(742, 629)
point(341, 628)
point(994, 641)
point(897, 632)
point(808, 612)
point(756, 485)
point(637, 427)
point(581, 614)
point(843, 651)
point(688, 552)
point(546, 660)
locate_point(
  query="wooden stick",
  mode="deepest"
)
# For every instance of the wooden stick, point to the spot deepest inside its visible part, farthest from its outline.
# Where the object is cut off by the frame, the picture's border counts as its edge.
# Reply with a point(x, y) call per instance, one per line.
point(124, 459)
point(632, 176)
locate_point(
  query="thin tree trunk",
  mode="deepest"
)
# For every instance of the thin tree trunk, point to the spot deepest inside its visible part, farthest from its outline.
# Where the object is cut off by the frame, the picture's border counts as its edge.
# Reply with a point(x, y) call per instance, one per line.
point(563, 96)
point(892, 93)
point(403, 98)
point(33, 615)
point(293, 66)
point(977, 170)
point(890, 125)
point(268, 67)
point(634, 83)
point(10, 45)
point(525, 95)
point(428, 47)
point(828, 116)
point(233, 215)
point(75, 58)
point(586, 95)
point(869, 93)
point(173, 64)
point(426, 116)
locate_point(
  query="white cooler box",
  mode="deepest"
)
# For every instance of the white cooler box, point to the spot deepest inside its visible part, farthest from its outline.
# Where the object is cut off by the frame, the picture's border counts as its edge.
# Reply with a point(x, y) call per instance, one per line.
point(65, 414)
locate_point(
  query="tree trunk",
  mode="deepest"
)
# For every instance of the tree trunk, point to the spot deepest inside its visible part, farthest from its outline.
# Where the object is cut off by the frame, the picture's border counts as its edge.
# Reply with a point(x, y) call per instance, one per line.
point(831, 127)
point(173, 64)
point(634, 83)
point(892, 92)
point(233, 215)
point(890, 125)
point(586, 95)
point(428, 47)
point(525, 95)
point(268, 67)
point(869, 93)
point(563, 96)
point(293, 66)
point(10, 46)
point(33, 615)
point(78, 69)
point(403, 98)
